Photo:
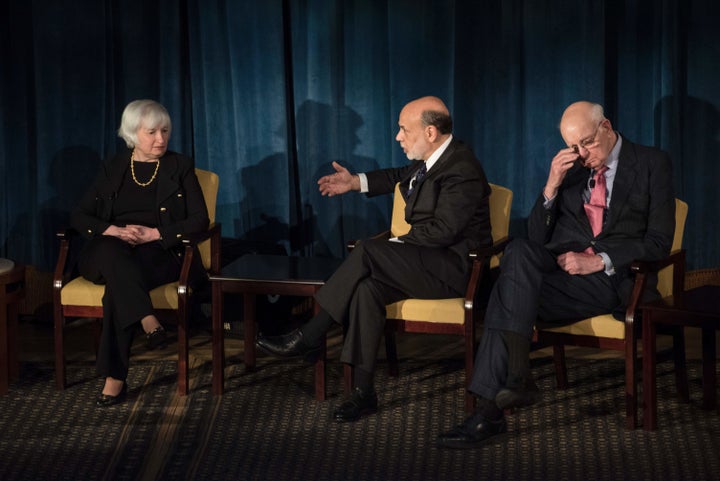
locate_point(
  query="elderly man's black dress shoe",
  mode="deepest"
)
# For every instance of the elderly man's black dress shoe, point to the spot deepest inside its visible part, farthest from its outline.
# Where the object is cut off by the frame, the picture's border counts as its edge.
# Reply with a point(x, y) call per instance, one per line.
point(360, 403)
point(292, 344)
point(473, 432)
point(510, 398)
point(106, 400)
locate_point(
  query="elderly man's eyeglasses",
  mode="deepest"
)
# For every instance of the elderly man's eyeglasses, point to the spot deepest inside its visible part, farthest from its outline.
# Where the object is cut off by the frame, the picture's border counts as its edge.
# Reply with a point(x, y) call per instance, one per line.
point(588, 143)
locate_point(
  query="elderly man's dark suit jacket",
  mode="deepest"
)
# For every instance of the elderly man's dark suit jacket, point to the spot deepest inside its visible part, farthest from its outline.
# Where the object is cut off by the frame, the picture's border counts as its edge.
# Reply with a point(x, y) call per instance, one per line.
point(640, 222)
point(449, 208)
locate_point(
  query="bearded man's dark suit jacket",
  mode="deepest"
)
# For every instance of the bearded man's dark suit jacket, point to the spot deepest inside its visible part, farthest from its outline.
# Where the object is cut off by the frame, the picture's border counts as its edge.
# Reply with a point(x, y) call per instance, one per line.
point(129, 273)
point(449, 214)
point(639, 224)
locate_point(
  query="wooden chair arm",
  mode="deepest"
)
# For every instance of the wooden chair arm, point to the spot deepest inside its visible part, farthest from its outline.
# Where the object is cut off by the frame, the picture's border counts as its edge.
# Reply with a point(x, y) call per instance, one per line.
point(474, 281)
point(353, 243)
point(642, 269)
point(197, 237)
point(495, 249)
point(189, 243)
point(59, 275)
point(645, 267)
point(479, 258)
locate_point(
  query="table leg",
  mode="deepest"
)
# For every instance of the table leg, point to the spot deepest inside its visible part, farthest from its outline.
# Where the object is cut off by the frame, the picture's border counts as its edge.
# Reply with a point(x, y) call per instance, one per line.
point(649, 382)
point(12, 337)
point(250, 331)
point(709, 354)
point(218, 340)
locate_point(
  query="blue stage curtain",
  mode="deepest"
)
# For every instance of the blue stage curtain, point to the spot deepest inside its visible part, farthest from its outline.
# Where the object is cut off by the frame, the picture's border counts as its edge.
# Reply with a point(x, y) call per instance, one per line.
point(268, 93)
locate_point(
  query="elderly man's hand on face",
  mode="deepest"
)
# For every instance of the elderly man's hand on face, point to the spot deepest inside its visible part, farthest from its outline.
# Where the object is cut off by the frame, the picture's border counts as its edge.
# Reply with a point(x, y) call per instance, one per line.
point(561, 163)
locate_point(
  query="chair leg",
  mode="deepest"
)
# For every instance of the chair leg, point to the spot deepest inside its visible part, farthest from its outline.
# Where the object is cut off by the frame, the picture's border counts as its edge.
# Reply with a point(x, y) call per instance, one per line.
point(183, 356)
point(469, 367)
point(59, 326)
point(709, 358)
point(681, 378)
point(347, 378)
point(469, 397)
point(631, 368)
point(560, 366)
point(391, 351)
point(97, 333)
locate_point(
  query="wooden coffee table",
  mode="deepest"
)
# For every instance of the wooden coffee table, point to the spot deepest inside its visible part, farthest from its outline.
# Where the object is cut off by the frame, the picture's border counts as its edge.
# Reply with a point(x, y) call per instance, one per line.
point(699, 307)
point(257, 274)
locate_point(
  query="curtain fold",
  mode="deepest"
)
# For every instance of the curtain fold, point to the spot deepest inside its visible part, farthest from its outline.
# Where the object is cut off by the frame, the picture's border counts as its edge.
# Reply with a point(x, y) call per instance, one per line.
point(268, 94)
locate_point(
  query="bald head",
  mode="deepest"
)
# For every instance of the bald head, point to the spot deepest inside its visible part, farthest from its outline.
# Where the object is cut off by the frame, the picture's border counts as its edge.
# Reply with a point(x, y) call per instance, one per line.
point(432, 111)
point(428, 103)
point(579, 116)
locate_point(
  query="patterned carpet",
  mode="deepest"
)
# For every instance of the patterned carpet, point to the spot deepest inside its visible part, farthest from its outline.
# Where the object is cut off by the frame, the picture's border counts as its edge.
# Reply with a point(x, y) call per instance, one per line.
point(268, 426)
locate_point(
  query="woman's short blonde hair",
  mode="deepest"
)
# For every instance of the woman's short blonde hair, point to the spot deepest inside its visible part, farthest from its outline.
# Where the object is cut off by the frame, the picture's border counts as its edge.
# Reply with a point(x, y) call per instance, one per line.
point(142, 113)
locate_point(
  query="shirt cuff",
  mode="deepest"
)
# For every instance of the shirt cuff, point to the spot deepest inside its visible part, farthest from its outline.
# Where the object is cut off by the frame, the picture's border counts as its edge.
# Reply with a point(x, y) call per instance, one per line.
point(609, 267)
point(363, 183)
point(548, 202)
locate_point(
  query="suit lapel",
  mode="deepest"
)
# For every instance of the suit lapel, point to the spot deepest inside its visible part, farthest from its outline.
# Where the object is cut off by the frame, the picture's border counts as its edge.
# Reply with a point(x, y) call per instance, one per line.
point(437, 167)
point(574, 198)
point(622, 185)
point(442, 159)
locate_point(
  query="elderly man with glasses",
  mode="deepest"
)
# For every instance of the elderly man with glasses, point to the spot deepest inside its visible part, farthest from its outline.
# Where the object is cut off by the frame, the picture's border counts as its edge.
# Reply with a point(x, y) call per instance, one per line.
point(606, 202)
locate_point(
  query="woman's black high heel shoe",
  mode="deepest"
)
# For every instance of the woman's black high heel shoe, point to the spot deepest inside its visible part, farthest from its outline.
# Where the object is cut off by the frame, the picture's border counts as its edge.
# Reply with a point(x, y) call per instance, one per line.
point(106, 400)
point(156, 338)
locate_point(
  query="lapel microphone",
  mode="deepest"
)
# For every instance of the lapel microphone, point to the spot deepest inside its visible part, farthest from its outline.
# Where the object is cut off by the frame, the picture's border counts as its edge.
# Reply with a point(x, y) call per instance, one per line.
point(592, 179)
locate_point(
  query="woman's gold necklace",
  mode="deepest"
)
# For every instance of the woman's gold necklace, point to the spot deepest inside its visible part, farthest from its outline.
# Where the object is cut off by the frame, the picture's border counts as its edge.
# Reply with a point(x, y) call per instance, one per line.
point(132, 171)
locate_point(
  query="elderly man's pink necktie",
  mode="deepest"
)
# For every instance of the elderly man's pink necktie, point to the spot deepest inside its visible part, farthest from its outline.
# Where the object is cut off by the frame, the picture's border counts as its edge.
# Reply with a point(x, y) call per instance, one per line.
point(595, 209)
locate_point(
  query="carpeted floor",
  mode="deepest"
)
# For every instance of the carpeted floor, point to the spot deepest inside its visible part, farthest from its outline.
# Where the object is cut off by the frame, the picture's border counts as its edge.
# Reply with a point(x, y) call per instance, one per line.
point(268, 426)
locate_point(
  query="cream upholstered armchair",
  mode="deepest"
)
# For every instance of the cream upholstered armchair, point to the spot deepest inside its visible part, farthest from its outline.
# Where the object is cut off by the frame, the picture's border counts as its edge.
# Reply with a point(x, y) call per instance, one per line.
point(447, 316)
point(80, 298)
point(606, 332)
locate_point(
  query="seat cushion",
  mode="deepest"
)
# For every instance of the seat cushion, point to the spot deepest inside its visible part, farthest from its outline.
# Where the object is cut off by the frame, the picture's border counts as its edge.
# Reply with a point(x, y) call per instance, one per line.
point(446, 311)
point(81, 292)
point(599, 326)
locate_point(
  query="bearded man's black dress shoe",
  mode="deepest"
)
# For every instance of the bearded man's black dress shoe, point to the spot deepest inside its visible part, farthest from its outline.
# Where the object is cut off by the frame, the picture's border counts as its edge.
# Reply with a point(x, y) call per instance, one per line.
point(106, 400)
point(510, 398)
point(473, 432)
point(360, 403)
point(292, 344)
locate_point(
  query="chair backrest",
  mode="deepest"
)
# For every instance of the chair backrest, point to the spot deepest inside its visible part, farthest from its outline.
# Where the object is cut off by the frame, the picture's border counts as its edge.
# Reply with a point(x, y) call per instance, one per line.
point(500, 203)
point(209, 183)
point(665, 276)
point(398, 226)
